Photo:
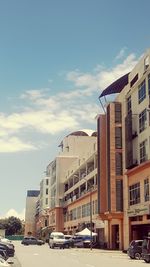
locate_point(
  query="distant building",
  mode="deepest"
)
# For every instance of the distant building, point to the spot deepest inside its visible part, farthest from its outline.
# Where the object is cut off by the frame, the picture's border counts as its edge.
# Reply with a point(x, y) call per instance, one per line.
point(30, 211)
point(76, 148)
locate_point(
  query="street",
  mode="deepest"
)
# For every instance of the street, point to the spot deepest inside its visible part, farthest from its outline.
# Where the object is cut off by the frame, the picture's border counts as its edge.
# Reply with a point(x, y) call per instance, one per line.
point(30, 256)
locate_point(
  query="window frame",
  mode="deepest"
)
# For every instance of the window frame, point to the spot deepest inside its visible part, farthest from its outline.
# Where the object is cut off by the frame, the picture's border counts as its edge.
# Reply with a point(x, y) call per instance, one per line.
point(134, 194)
point(142, 91)
point(143, 151)
point(142, 120)
point(146, 190)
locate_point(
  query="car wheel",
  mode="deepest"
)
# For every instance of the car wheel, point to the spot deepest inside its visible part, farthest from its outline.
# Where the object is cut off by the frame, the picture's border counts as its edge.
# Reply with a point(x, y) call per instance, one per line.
point(137, 256)
point(131, 257)
point(147, 259)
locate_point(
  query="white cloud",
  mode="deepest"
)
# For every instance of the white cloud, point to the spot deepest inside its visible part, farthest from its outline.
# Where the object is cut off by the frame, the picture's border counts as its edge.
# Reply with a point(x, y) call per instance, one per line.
point(13, 144)
point(13, 212)
point(34, 94)
point(106, 77)
point(81, 79)
point(103, 77)
point(121, 53)
point(47, 113)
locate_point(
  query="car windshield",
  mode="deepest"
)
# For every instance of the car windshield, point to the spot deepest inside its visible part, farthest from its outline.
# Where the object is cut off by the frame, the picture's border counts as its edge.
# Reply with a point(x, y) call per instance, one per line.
point(60, 237)
point(67, 237)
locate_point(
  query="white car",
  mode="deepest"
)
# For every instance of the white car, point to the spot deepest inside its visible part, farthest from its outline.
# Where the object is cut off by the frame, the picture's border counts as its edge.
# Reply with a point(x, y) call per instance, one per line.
point(5, 240)
point(57, 239)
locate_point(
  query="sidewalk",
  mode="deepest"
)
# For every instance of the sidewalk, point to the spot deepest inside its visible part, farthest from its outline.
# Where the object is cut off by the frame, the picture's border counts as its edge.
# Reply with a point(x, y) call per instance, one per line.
point(94, 250)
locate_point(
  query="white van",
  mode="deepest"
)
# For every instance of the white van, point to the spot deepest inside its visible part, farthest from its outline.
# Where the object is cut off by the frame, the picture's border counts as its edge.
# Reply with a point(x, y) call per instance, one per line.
point(57, 239)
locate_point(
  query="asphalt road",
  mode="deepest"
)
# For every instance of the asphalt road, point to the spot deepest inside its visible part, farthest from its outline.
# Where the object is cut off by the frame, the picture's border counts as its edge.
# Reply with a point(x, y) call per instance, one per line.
point(43, 256)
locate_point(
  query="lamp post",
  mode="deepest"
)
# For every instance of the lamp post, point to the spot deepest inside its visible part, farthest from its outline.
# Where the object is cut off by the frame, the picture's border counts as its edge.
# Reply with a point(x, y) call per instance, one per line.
point(91, 224)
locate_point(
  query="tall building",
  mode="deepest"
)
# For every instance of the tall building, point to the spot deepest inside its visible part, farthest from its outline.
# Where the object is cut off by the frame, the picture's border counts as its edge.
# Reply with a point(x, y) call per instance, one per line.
point(124, 157)
point(30, 211)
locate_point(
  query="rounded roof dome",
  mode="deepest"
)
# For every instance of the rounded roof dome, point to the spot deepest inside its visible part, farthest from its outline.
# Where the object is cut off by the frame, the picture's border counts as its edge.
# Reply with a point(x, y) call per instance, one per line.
point(84, 132)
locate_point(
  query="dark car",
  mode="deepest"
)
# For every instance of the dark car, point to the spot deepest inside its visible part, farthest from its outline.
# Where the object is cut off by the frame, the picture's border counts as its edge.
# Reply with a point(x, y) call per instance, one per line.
point(30, 240)
point(9, 248)
point(78, 241)
point(3, 254)
point(68, 241)
point(146, 249)
point(135, 249)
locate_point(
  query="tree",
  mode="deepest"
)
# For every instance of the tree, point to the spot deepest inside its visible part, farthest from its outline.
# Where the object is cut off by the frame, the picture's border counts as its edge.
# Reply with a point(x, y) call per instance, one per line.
point(12, 225)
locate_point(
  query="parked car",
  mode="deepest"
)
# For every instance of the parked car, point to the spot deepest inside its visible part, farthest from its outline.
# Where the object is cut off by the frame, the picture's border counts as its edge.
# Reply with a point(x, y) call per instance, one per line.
point(78, 241)
point(5, 240)
point(3, 254)
point(146, 249)
point(135, 249)
point(68, 241)
point(30, 240)
point(10, 249)
point(57, 239)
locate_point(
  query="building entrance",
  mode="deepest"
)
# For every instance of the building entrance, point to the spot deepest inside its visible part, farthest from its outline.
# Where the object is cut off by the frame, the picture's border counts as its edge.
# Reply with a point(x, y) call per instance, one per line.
point(115, 236)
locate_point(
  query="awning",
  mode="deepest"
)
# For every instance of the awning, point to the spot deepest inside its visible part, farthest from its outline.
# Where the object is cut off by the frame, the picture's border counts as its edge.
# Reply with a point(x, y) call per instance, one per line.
point(116, 87)
point(86, 232)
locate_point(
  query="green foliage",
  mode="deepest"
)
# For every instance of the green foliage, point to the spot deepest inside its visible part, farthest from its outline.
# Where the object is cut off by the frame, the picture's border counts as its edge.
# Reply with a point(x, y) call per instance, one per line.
point(12, 225)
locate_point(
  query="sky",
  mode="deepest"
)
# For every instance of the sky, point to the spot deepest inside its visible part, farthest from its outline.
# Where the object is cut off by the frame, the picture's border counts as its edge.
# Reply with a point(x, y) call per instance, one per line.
point(56, 57)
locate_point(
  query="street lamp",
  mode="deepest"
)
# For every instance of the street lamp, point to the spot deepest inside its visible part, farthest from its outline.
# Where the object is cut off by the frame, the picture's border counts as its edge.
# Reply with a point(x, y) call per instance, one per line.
point(91, 223)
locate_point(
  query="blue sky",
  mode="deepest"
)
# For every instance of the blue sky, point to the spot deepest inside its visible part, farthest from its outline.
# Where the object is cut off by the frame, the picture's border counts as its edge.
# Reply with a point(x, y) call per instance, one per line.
point(56, 56)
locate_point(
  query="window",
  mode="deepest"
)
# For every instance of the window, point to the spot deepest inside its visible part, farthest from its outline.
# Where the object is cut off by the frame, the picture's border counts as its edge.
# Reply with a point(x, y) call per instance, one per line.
point(118, 163)
point(96, 207)
point(70, 215)
point(142, 120)
point(118, 113)
point(46, 222)
point(142, 91)
point(146, 190)
point(46, 181)
point(118, 137)
point(134, 194)
point(46, 191)
point(74, 214)
point(143, 151)
point(86, 210)
point(129, 105)
point(119, 195)
point(78, 212)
